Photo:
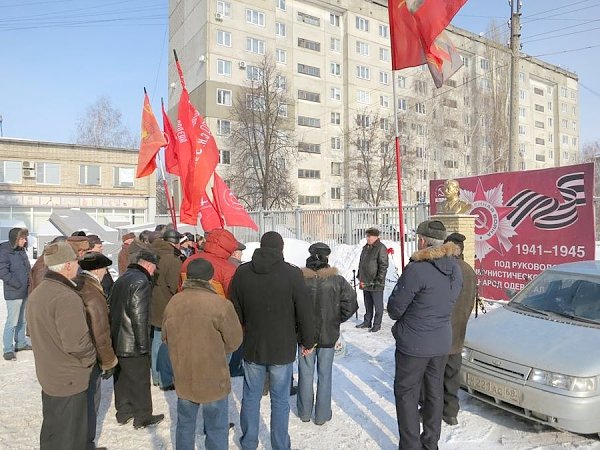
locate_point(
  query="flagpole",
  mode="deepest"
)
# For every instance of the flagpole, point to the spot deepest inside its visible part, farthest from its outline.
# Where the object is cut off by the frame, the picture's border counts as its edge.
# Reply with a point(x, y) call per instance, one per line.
point(398, 170)
point(170, 205)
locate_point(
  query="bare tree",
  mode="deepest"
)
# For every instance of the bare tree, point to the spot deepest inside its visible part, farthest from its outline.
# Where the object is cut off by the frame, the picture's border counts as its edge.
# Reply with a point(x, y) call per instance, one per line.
point(102, 126)
point(373, 159)
point(590, 152)
point(262, 139)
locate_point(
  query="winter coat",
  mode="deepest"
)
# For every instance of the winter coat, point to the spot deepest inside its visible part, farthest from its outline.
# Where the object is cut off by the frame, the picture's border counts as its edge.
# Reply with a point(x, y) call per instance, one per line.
point(14, 266)
point(372, 266)
point(200, 329)
point(272, 302)
point(134, 248)
point(463, 307)
point(38, 271)
point(129, 304)
point(123, 258)
point(166, 279)
point(107, 283)
point(219, 246)
point(96, 311)
point(62, 347)
point(422, 301)
point(334, 302)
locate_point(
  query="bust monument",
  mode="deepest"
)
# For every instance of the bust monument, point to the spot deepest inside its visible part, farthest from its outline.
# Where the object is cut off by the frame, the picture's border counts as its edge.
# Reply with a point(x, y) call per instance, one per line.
point(453, 204)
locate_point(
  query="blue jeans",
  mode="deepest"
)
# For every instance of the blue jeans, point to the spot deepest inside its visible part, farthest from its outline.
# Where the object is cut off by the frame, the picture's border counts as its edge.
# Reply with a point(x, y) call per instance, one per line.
point(216, 424)
point(306, 369)
point(162, 371)
point(279, 388)
point(14, 328)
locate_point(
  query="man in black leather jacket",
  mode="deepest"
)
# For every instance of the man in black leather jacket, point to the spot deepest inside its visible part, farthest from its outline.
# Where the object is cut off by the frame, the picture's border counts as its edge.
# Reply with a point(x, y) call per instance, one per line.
point(129, 304)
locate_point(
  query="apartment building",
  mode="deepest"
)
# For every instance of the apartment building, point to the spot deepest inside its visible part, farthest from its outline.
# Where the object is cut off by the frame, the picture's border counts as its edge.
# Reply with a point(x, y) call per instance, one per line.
point(37, 178)
point(334, 56)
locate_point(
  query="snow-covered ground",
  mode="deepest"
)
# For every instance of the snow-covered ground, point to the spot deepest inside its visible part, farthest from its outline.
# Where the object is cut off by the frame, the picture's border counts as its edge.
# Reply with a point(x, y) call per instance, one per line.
point(364, 415)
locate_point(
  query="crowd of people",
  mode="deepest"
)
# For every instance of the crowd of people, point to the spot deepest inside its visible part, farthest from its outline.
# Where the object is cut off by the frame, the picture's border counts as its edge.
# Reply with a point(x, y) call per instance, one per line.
point(186, 314)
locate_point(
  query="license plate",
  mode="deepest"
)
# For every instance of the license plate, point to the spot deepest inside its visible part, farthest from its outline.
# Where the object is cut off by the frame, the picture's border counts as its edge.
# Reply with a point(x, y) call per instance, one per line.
point(496, 390)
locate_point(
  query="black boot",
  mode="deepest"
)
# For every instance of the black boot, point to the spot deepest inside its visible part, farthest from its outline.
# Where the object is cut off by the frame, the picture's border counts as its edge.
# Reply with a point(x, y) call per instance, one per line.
point(363, 325)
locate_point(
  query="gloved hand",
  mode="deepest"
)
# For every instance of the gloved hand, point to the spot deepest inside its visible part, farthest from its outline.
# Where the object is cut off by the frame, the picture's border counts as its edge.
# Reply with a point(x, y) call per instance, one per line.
point(106, 374)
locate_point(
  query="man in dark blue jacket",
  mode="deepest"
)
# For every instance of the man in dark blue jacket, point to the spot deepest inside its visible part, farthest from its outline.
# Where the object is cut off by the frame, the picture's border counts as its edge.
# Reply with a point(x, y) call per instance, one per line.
point(14, 272)
point(421, 304)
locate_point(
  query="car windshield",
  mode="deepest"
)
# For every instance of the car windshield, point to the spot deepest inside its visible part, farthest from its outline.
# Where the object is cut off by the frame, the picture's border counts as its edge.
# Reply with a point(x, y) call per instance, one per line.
point(571, 295)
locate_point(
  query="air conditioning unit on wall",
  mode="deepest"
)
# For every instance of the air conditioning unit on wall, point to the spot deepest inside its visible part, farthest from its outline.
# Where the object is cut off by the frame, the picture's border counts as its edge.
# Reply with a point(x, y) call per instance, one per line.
point(242, 64)
point(28, 165)
point(219, 17)
point(28, 173)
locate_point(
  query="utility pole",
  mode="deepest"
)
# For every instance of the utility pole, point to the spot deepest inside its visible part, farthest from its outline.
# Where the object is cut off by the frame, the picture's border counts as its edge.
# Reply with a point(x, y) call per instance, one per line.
point(515, 47)
point(1, 133)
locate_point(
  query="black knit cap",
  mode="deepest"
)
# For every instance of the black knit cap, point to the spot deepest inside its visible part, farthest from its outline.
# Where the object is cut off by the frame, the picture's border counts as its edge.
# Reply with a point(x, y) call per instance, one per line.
point(200, 269)
point(319, 249)
point(148, 255)
point(93, 261)
point(457, 239)
point(271, 239)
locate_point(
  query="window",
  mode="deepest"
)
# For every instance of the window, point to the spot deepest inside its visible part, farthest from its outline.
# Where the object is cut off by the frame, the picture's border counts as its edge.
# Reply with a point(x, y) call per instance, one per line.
point(363, 96)
point(223, 97)
point(540, 141)
point(539, 108)
point(224, 8)
point(573, 95)
point(563, 107)
point(563, 91)
point(549, 122)
point(383, 31)
point(255, 102)
point(420, 129)
point(309, 173)
point(362, 48)
point(280, 82)
point(335, 45)
point(363, 194)
point(450, 123)
point(522, 111)
point(550, 138)
point(282, 110)
point(384, 77)
point(309, 148)
point(280, 29)
point(89, 175)
point(309, 122)
point(309, 96)
point(401, 82)
point(309, 70)
point(450, 143)
point(10, 172)
point(565, 139)
point(335, 93)
point(47, 173)
point(574, 141)
point(384, 101)
point(549, 106)
point(384, 54)
point(540, 158)
point(224, 38)
point(362, 24)
point(539, 124)
point(402, 104)
point(334, 20)
point(420, 87)
point(450, 164)
point(336, 118)
point(522, 129)
point(485, 83)
point(309, 200)
point(224, 67)
point(255, 17)
point(336, 143)
point(307, 18)
point(254, 45)
point(451, 83)
point(310, 45)
point(522, 149)
point(254, 73)
point(538, 91)
point(124, 176)
point(466, 61)
point(363, 72)
point(574, 125)
point(224, 157)
point(223, 127)
point(336, 193)
point(450, 103)
point(281, 5)
point(484, 64)
point(521, 76)
point(565, 155)
point(363, 120)
point(564, 123)
point(420, 108)
point(280, 56)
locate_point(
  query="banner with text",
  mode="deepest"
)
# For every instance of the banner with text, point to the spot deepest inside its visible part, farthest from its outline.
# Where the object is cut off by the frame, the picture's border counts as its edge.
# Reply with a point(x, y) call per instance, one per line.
point(526, 222)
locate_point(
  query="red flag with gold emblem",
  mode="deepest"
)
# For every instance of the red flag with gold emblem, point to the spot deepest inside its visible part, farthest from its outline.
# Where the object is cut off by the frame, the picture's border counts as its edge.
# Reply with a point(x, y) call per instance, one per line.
point(229, 206)
point(151, 142)
point(171, 163)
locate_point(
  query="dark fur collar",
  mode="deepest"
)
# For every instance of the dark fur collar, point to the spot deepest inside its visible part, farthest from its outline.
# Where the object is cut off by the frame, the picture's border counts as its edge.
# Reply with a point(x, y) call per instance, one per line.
point(326, 272)
point(431, 253)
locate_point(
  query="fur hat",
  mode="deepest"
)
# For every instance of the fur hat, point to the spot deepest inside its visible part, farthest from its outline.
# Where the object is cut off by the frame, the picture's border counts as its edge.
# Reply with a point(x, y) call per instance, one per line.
point(433, 229)
point(79, 243)
point(147, 255)
point(93, 261)
point(271, 239)
point(59, 253)
point(200, 269)
point(457, 239)
point(15, 234)
point(372, 232)
point(94, 239)
point(127, 236)
point(172, 236)
point(320, 250)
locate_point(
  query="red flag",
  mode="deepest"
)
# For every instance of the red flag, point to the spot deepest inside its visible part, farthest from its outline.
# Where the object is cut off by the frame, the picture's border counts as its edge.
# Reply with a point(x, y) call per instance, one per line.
point(209, 217)
point(416, 36)
point(197, 155)
point(171, 162)
point(152, 141)
point(232, 210)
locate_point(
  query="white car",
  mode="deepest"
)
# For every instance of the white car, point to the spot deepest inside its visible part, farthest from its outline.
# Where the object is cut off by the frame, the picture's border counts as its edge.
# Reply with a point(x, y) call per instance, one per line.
point(539, 355)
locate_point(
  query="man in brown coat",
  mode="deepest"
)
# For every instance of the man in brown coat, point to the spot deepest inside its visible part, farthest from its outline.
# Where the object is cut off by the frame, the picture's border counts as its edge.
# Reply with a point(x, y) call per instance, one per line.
point(166, 284)
point(63, 351)
point(198, 318)
point(460, 316)
point(94, 268)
